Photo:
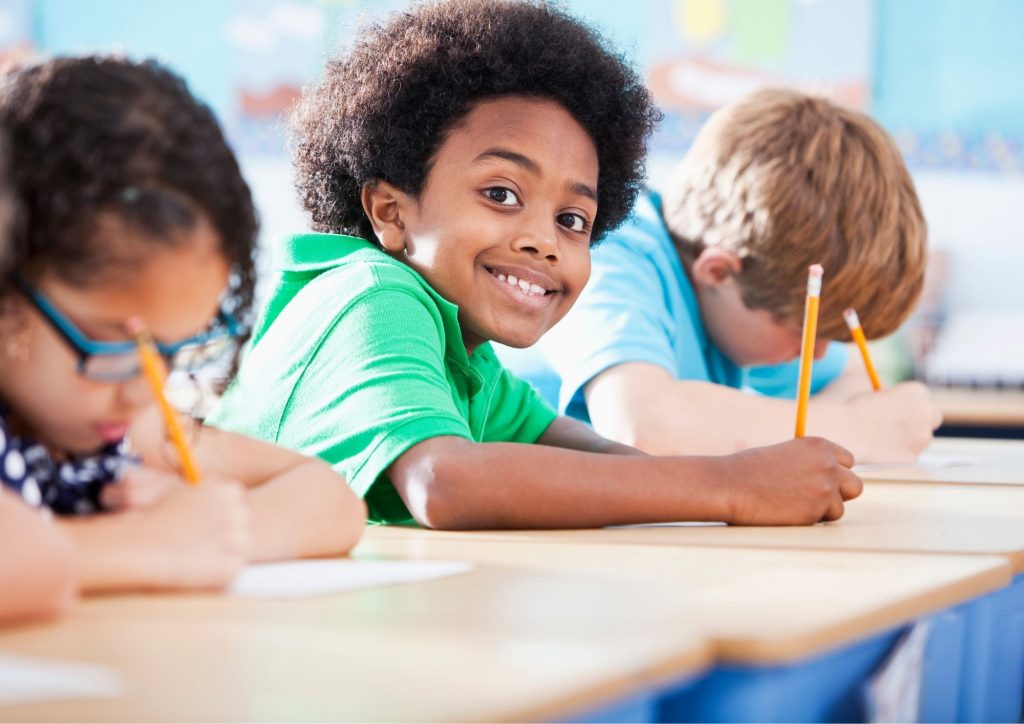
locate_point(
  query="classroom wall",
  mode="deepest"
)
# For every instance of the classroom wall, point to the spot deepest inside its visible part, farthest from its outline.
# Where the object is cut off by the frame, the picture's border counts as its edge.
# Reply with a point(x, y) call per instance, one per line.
point(942, 75)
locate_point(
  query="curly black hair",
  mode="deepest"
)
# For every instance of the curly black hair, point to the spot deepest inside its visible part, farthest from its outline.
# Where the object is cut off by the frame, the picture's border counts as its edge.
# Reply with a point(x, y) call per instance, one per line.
point(383, 109)
point(8, 209)
point(95, 136)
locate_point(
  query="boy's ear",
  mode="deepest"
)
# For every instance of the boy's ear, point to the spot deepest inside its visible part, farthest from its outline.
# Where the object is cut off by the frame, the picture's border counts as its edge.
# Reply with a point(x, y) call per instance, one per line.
point(713, 266)
point(385, 206)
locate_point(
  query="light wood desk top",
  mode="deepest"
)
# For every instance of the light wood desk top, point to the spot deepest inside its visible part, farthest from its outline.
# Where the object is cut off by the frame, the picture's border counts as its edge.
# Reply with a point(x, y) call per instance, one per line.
point(966, 406)
point(498, 643)
point(756, 606)
point(959, 460)
point(888, 517)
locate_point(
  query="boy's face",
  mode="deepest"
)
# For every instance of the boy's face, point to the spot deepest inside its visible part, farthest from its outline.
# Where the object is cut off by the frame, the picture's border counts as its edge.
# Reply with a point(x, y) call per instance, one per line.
point(746, 336)
point(502, 226)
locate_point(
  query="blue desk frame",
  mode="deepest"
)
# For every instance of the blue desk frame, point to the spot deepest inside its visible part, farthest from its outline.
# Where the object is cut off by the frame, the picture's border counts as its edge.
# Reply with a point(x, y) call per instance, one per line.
point(973, 671)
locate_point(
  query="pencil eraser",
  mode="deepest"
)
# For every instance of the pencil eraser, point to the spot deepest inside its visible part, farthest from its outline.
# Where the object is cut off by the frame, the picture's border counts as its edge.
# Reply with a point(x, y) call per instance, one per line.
point(852, 320)
point(816, 270)
point(135, 325)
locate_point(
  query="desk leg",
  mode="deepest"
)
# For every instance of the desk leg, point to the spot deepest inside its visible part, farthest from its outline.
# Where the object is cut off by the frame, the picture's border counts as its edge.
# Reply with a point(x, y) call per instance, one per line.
point(993, 663)
point(942, 675)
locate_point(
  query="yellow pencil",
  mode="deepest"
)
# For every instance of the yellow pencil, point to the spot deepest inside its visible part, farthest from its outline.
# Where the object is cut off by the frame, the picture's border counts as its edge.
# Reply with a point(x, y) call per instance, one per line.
point(853, 322)
point(803, 392)
point(156, 374)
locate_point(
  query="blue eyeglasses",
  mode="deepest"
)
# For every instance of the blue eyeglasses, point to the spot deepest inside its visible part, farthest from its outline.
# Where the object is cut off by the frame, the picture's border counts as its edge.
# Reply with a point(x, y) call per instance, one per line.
point(119, 361)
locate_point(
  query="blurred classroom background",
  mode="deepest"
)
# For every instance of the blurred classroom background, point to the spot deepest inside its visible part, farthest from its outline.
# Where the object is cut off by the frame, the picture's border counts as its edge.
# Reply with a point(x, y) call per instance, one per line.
point(943, 76)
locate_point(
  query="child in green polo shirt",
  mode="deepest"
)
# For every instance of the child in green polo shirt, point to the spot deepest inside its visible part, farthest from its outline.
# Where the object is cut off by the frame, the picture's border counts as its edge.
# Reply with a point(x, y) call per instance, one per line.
point(458, 163)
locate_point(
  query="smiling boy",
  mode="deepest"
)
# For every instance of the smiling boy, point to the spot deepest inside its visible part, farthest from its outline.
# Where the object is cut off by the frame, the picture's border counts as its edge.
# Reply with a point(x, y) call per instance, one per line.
point(457, 164)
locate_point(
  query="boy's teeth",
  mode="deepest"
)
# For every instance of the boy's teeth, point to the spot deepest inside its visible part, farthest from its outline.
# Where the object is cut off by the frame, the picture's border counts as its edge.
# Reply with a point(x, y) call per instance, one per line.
point(526, 287)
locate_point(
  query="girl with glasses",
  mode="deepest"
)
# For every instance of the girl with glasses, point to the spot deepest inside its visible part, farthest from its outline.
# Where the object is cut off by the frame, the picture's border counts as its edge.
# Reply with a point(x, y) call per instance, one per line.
point(135, 206)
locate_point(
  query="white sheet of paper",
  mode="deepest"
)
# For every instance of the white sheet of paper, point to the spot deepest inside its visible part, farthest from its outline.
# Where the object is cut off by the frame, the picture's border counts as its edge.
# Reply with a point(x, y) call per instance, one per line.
point(931, 459)
point(928, 461)
point(299, 579)
point(26, 679)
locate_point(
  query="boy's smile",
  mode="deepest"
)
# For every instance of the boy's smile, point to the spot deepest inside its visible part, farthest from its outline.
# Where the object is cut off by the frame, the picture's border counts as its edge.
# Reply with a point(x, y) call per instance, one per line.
point(502, 226)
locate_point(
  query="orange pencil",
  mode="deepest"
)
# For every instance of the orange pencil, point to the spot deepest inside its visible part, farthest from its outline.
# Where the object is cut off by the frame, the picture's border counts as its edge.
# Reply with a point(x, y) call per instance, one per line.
point(156, 374)
point(853, 322)
point(803, 392)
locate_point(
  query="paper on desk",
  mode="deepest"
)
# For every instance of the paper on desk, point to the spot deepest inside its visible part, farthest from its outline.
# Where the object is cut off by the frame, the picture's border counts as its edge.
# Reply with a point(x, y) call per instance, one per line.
point(299, 579)
point(26, 679)
point(928, 461)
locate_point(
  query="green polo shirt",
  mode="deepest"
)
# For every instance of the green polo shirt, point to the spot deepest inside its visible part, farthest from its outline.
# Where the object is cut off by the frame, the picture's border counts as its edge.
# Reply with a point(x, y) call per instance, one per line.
point(356, 359)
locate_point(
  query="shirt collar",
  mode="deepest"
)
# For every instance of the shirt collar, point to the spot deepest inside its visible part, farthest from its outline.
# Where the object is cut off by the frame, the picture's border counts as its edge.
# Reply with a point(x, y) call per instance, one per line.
point(314, 252)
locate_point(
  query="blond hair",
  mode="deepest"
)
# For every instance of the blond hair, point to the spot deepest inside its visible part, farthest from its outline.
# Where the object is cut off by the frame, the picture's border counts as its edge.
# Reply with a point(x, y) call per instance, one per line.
point(785, 180)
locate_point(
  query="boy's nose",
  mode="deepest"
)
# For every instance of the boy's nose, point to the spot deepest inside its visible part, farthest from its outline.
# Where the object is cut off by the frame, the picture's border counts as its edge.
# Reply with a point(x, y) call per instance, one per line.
point(538, 244)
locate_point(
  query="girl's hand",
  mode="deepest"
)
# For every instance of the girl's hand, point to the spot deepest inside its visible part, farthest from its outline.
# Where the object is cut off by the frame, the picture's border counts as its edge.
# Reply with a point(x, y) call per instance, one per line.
point(139, 487)
point(194, 537)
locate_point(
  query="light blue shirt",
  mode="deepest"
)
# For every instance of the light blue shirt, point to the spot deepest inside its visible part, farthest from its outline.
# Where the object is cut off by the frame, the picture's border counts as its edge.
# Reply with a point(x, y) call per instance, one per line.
point(639, 306)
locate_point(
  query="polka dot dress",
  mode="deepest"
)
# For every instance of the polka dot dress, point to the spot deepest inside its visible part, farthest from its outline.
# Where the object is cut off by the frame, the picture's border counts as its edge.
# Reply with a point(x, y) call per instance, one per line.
point(71, 487)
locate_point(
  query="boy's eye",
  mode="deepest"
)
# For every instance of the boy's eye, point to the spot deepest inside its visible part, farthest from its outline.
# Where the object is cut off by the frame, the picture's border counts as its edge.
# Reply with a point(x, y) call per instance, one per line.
point(502, 195)
point(573, 222)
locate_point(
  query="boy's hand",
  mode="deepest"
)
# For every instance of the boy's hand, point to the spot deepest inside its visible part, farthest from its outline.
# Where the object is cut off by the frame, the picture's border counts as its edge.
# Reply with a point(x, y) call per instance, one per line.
point(895, 424)
point(195, 537)
point(800, 482)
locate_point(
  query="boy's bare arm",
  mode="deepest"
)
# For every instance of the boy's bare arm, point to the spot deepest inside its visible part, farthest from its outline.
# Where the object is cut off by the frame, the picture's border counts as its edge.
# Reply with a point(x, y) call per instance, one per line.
point(571, 434)
point(454, 483)
point(643, 405)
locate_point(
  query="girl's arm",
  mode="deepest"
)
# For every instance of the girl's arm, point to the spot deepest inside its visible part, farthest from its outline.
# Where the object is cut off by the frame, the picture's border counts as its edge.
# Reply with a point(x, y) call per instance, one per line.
point(454, 483)
point(38, 572)
point(299, 506)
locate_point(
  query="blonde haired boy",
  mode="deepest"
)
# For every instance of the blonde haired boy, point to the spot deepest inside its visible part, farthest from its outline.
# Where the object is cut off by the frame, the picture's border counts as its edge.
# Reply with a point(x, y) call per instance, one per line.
point(699, 295)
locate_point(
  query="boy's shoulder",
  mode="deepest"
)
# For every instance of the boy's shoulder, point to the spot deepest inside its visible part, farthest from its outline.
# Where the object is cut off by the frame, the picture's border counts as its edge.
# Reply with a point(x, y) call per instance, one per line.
point(643, 232)
point(344, 267)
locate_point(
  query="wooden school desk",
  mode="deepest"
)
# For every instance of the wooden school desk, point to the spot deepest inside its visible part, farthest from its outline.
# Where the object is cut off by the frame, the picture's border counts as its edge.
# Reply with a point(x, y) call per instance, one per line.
point(795, 633)
point(497, 643)
point(929, 518)
point(969, 411)
point(958, 460)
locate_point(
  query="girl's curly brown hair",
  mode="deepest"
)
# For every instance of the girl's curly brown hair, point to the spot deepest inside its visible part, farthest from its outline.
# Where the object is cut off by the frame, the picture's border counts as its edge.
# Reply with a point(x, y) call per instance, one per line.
point(95, 137)
point(383, 109)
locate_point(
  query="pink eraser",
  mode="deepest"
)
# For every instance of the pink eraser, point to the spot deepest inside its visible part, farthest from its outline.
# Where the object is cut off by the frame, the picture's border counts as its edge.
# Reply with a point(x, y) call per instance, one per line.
point(816, 270)
point(135, 325)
